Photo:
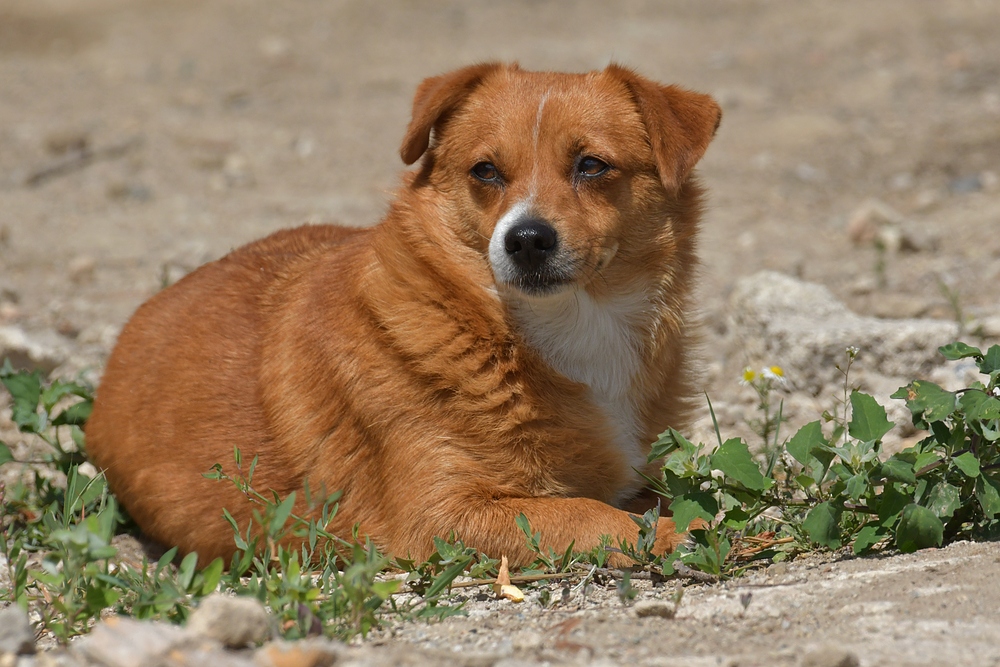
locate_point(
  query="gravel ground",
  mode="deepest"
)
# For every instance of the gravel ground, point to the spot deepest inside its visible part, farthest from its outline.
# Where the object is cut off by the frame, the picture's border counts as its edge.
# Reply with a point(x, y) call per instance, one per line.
point(139, 139)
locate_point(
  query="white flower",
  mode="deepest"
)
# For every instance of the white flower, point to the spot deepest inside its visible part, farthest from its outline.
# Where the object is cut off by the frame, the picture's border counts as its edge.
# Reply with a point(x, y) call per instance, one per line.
point(774, 373)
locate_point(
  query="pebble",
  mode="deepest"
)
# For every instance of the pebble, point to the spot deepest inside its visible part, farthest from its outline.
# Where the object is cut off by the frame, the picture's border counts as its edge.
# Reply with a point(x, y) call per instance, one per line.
point(877, 222)
point(654, 608)
point(866, 220)
point(125, 642)
point(65, 141)
point(306, 653)
point(986, 327)
point(965, 184)
point(829, 656)
point(233, 621)
point(16, 635)
point(81, 269)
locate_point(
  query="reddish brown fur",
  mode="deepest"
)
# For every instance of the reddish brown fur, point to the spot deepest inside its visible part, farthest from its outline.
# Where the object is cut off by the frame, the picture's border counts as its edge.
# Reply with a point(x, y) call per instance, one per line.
point(384, 362)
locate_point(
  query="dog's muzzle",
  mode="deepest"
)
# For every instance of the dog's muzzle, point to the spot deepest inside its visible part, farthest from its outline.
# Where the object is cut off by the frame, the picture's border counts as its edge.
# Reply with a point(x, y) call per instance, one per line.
point(526, 253)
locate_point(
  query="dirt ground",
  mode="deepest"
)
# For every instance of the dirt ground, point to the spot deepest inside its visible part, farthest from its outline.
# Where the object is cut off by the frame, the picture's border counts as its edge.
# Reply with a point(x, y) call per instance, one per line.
point(139, 139)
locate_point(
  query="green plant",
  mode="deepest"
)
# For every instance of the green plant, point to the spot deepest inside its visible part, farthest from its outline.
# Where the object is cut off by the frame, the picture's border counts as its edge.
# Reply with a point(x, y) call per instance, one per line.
point(829, 486)
point(54, 510)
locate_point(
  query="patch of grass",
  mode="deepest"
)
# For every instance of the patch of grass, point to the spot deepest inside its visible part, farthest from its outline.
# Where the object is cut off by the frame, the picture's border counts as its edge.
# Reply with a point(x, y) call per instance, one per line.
point(57, 528)
point(828, 486)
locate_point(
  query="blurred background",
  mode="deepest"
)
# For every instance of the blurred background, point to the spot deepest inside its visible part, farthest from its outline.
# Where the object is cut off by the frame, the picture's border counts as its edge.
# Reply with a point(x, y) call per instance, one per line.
point(859, 149)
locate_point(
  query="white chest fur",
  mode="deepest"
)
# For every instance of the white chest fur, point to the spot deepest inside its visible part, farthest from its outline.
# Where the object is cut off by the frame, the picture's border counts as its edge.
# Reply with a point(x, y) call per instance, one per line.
point(597, 344)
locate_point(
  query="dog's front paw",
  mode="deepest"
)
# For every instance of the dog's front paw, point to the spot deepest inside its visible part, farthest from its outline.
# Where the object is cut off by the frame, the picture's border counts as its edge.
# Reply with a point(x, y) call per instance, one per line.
point(667, 537)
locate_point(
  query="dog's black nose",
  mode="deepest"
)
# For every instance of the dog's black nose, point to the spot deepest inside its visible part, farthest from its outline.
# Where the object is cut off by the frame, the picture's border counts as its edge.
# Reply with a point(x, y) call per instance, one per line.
point(529, 243)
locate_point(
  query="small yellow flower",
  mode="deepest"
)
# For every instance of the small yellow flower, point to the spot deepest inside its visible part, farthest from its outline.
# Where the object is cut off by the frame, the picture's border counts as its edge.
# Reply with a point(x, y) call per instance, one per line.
point(777, 370)
point(749, 375)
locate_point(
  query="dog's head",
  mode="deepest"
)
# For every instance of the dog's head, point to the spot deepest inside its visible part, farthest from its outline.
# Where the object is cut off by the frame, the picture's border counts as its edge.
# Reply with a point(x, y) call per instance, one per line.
point(560, 178)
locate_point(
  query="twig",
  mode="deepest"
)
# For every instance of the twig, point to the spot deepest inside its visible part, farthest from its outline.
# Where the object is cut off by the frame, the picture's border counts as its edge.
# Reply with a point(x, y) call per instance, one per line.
point(750, 551)
point(700, 577)
point(524, 578)
point(79, 159)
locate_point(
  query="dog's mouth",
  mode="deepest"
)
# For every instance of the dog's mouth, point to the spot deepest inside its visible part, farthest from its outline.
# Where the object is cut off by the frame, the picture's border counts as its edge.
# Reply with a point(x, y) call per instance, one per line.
point(540, 283)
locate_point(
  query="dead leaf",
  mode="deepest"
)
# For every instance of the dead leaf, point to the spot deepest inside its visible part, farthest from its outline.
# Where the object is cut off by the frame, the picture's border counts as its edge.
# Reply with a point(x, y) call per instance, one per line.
point(503, 588)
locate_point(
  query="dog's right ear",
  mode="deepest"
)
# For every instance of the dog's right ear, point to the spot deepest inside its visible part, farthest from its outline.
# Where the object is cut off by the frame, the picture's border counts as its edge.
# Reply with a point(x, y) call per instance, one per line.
point(435, 97)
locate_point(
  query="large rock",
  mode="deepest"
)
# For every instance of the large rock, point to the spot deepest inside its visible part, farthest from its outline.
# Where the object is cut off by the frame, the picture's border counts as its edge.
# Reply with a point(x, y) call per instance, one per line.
point(802, 327)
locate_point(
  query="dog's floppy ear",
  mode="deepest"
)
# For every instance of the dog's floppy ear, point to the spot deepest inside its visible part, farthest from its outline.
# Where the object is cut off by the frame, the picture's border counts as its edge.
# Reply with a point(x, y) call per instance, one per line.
point(680, 123)
point(435, 97)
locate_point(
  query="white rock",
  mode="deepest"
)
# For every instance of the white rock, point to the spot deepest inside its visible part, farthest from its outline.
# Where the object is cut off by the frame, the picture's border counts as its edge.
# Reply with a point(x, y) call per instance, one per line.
point(125, 642)
point(234, 621)
point(802, 327)
point(16, 635)
point(43, 350)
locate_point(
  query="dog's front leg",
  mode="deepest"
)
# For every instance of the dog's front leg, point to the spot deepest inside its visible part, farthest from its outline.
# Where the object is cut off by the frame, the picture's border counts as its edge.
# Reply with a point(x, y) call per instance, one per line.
point(491, 528)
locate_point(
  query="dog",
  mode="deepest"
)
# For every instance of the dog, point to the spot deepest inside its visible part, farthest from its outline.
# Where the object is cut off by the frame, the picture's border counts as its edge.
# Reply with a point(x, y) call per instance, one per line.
point(509, 339)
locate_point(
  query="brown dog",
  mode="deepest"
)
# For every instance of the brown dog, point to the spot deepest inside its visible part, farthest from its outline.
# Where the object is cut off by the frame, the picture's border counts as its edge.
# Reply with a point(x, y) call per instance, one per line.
point(509, 339)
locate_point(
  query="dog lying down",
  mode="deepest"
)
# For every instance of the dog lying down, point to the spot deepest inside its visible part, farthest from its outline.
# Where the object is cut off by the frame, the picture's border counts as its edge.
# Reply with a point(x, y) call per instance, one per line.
point(509, 339)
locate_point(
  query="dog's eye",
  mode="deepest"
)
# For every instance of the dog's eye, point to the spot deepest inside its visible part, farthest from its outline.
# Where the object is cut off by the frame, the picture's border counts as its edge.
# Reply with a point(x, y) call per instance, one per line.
point(591, 167)
point(486, 172)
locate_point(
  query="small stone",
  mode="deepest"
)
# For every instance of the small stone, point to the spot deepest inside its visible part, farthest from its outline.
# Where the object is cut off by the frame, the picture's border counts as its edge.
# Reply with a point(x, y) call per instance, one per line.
point(901, 181)
point(125, 642)
point(274, 47)
point(81, 269)
point(866, 220)
point(966, 184)
point(829, 657)
point(807, 173)
point(16, 635)
point(990, 180)
point(206, 653)
point(926, 199)
point(234, 621)
point(307, 653)
point(67, 141)
point(527, 640)
point(55, 658)
point(654, 608)
point(9, 295)
point(236, 170)
point(126, 190)
point(986, 327)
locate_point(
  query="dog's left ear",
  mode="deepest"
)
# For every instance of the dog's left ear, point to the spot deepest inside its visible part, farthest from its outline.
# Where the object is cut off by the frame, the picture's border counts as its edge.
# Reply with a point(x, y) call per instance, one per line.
point(435, 97)
point(680, 123)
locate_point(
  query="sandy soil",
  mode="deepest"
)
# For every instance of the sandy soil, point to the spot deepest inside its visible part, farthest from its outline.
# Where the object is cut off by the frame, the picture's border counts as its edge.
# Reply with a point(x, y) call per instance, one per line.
point(139, 139)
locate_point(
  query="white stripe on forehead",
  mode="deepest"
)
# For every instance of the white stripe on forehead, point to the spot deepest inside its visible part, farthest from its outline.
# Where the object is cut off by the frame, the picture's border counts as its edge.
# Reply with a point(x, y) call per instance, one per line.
point(538, 118)
point(534, 137)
